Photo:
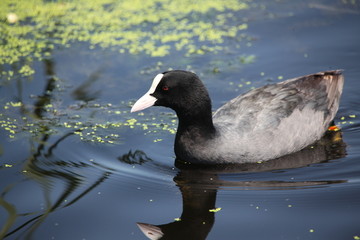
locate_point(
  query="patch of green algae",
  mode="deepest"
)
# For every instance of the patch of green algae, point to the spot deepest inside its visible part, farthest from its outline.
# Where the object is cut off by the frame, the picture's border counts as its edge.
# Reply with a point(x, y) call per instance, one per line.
point(95, 123)
point(30, 30)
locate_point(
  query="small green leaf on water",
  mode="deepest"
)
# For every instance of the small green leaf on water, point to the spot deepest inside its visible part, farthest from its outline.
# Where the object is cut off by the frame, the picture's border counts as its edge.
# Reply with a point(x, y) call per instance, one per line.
point(356, 237)
point(215, 210)
point(177, 219)
point(16, 104)
point(311, 230)
point(352, 116)
point(216, 70)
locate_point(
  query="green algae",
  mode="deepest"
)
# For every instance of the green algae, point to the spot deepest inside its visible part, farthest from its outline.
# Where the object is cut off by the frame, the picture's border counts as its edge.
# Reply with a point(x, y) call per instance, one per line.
point(30, 30)
point(104, 129)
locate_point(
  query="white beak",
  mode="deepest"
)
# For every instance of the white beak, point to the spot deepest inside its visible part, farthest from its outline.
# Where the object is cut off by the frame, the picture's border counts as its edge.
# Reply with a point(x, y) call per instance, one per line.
point(147, 100)
point(144, 102)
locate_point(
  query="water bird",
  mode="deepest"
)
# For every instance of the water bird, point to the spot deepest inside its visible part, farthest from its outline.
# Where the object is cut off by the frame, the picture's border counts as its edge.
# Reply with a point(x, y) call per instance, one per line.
point(262, 124)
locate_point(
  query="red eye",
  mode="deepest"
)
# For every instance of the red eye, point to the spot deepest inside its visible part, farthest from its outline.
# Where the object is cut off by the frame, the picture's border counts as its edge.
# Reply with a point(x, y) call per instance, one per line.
point(165, 88)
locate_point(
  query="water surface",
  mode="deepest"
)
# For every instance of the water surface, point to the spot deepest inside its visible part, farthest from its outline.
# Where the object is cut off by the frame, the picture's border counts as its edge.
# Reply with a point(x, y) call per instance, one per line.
point(111, 169)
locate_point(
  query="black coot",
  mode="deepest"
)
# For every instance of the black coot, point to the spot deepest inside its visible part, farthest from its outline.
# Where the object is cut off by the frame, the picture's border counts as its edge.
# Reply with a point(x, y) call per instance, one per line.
point(262, 124)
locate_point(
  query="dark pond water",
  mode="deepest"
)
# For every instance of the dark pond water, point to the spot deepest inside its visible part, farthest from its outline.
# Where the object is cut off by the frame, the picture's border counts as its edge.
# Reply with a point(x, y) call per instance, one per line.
point(98, 183)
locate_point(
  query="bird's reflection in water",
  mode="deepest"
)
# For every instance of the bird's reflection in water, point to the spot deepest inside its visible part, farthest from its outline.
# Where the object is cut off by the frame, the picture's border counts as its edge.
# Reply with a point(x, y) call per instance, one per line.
point(196, 219)
point(199, 185)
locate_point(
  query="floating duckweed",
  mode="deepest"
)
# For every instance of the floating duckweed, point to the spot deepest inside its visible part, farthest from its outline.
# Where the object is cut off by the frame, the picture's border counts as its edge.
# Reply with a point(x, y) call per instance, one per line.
point(215, 210)
point(153, 27)
point(172, 131)
point(131, 121)
point(26, 70)
point(247, 59)
point(16, 104)
point(95, 130)
point(344, 122)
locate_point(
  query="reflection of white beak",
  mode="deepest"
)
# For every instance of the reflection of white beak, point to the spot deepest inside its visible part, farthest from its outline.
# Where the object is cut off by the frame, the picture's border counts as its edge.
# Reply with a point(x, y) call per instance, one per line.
point(150, 231)
point(147, 100)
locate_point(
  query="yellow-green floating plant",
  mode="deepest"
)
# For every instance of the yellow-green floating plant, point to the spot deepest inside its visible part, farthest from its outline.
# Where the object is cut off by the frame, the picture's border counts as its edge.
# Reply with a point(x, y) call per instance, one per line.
point(30, 30)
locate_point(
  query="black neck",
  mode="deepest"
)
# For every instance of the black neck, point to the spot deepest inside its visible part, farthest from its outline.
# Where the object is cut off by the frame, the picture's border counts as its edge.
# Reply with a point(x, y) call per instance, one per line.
point(200, 119)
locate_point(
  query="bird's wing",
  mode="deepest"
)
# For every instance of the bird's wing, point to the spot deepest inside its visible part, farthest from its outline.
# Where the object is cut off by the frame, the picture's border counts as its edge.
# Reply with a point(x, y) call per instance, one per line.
point(267, 106)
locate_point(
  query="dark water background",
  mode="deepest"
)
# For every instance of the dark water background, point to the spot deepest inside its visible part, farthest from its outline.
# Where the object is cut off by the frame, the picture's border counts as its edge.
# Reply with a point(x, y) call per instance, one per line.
point(55, 186)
